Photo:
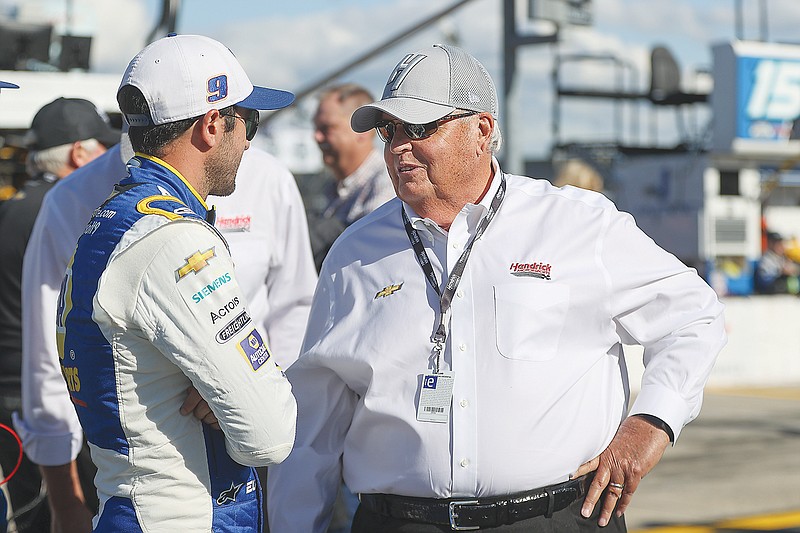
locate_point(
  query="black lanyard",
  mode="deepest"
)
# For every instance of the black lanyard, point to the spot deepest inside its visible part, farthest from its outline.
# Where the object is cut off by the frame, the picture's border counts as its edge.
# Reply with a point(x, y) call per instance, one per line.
point(446, 297)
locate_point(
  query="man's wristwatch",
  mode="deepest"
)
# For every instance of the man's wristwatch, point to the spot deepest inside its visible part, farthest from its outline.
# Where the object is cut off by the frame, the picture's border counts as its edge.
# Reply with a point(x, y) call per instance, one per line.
point(660, 424)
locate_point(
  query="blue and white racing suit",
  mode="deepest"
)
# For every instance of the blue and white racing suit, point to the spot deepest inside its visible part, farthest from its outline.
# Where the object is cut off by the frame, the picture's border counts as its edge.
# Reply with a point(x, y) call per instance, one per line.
point(149, 306)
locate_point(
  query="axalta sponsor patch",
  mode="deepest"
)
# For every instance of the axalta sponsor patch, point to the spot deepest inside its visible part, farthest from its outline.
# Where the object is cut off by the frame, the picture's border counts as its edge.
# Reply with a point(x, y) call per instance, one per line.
point(254, 349)
point(233, 327)
point(531, 270)
point(195, 263)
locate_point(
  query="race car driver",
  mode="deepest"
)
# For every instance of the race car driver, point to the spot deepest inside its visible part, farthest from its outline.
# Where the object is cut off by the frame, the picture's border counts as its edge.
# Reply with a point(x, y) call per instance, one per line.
point(150, 307)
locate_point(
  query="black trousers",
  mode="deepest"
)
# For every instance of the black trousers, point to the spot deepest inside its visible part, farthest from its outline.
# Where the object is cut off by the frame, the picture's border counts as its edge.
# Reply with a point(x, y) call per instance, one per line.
point(568, 520)
point(30, 509)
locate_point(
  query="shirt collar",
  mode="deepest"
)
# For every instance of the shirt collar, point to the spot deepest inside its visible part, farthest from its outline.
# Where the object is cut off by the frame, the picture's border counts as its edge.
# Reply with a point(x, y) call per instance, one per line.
point(166, 176)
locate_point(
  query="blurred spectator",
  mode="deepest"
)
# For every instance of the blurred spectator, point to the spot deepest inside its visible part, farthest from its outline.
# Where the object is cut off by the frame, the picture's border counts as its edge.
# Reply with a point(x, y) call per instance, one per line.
point(792, 246)
point(776, 273)
point(579, 174)
point(65, 135)
point(7, 190)
point(360, 182)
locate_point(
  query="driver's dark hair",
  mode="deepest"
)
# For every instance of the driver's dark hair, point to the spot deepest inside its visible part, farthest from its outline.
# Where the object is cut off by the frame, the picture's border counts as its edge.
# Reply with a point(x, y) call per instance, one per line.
point(152, 140)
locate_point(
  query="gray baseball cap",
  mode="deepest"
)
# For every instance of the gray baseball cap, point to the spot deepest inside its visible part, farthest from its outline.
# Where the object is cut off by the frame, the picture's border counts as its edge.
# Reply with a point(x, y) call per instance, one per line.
point(428, 85)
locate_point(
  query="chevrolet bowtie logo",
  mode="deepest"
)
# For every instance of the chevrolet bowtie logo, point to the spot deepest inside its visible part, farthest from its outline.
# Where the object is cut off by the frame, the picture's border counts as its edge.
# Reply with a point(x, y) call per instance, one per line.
point(195, 263)
point(388, 291)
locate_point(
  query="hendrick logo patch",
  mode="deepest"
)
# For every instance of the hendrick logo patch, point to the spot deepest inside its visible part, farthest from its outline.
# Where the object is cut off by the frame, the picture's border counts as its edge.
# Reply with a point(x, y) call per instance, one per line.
point(531, 270)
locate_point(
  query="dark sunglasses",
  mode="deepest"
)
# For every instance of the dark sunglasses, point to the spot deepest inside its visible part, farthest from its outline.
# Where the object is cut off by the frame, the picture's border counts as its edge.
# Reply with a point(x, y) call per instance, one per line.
point(387, 129)
point(250, 122)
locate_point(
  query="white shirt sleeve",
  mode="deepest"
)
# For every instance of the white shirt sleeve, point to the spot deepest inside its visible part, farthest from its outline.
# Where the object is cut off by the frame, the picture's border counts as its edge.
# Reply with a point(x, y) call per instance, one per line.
point(300, 497)
point(666, 307)
point(50, 429)
point(292, 277)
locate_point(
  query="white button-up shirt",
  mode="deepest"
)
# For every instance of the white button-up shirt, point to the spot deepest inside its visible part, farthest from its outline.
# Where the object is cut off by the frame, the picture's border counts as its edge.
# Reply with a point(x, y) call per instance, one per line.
point(554, 287)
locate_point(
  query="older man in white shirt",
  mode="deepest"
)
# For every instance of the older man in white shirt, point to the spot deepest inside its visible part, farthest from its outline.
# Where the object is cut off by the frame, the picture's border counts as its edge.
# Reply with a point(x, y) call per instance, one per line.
point(463, 365)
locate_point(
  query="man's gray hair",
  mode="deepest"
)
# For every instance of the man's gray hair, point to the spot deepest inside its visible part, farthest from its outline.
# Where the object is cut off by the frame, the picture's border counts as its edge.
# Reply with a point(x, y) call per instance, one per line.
point(53, 159)
point(496, 140)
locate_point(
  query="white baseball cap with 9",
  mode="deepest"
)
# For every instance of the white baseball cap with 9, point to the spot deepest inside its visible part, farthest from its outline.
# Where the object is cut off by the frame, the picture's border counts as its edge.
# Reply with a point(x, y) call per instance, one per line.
point(185, 76)
point(428, 85)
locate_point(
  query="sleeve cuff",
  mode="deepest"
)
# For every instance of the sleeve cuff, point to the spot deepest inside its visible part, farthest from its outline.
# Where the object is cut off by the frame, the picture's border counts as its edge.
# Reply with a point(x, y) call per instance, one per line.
point(47, 449)
point(666, 405)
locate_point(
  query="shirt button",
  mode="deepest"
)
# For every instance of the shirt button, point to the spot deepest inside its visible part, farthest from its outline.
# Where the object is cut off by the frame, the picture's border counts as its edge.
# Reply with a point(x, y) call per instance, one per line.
point(460, 293)
point(454, 245)
point(462, 347)
point(463, 403)
point(464, 463)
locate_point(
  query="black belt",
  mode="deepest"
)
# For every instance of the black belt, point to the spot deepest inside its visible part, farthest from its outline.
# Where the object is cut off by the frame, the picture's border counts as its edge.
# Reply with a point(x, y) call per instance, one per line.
point(466, 514)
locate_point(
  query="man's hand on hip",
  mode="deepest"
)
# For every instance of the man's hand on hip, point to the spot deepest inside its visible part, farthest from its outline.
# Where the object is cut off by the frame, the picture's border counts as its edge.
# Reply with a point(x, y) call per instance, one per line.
point(635, 450)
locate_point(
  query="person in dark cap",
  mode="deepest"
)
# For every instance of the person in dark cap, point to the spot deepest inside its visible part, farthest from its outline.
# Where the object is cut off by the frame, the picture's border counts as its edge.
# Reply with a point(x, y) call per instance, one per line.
point(65, 135)
point(68, 120)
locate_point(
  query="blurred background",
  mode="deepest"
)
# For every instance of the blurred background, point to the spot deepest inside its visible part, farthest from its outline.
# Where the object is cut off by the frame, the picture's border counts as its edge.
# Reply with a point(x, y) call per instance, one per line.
point(682, 112)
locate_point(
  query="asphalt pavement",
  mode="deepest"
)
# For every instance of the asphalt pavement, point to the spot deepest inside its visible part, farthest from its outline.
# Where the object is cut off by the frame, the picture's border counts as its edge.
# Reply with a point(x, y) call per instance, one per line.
point(735, 468)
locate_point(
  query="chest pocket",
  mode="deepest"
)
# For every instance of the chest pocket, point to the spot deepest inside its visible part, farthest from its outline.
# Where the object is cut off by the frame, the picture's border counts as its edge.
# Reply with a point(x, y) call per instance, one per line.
point(529, 319)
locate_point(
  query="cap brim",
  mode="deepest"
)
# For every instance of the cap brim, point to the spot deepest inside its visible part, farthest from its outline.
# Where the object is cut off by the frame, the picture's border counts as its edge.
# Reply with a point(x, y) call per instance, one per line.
point(264, 98)
point(8, 85)
point(408, 110)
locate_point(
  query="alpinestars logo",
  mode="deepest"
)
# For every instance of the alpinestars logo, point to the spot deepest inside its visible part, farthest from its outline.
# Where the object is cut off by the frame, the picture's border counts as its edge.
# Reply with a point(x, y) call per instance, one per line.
point(229, 495)
point(530, 270)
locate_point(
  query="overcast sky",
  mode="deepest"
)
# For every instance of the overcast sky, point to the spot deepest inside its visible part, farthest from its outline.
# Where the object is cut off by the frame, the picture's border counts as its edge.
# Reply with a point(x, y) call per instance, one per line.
point(290, 44)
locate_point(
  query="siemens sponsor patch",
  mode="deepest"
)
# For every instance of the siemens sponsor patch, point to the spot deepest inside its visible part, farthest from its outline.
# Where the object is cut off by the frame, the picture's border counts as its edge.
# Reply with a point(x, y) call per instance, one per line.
point(233, 327)
point(209, 289)
point(254, 349)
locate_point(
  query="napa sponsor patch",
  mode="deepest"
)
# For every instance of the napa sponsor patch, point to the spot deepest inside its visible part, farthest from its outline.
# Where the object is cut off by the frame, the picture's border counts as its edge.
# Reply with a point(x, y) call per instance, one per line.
point(254, 349)
point(233, 327)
